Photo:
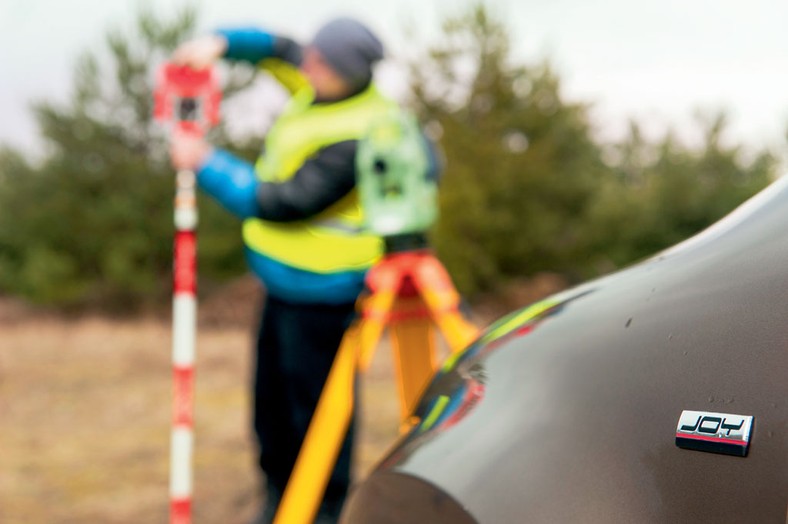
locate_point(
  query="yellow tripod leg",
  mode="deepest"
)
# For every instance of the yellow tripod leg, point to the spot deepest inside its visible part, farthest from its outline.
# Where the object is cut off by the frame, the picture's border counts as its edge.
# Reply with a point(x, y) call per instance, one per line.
point(320, 449)
point(413, 348)
point(321, 445)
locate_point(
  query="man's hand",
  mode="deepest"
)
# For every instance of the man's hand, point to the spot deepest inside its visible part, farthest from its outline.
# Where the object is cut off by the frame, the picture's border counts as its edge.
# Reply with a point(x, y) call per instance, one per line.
point(201, 52)
point(188, 151)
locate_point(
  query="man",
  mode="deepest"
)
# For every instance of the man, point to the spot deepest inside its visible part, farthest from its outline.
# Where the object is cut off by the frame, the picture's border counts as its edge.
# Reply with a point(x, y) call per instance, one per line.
point(302, 225)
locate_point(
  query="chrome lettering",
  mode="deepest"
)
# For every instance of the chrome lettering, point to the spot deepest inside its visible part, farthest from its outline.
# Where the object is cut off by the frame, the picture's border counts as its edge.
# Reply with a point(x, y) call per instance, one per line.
point(729, 427)
point(692, 428)
point(714, 420)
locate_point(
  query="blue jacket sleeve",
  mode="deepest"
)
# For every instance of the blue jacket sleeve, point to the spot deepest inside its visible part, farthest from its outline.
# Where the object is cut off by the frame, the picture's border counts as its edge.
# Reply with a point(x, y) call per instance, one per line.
point(319, 183)
point(253, 45)
point(248, 44)
point(231, 181)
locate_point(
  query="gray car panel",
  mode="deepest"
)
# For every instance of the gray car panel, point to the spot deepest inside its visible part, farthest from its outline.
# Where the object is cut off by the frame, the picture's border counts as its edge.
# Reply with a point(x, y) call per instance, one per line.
point(567, 411)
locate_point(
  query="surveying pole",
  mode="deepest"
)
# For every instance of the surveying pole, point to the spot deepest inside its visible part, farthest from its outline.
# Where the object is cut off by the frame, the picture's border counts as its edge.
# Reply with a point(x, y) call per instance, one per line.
point(187, 100)
point(410, 294)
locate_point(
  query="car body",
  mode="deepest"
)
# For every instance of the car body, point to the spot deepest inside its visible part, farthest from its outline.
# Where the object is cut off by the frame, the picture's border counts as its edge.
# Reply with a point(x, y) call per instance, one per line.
point(572, 409)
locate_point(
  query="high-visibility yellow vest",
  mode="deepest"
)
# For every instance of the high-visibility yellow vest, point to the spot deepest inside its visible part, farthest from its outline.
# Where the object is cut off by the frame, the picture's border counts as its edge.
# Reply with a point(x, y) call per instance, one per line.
point(334, 240)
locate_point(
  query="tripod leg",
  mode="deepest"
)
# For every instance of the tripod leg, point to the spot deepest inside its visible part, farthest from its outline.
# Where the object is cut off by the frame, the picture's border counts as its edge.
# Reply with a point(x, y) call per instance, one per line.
point(321, 445)
point(414, 351)
point(329, 423)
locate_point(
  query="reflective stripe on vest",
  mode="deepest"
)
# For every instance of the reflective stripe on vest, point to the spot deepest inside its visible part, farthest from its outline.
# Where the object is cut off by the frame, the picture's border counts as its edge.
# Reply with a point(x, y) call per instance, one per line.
point(333, 240)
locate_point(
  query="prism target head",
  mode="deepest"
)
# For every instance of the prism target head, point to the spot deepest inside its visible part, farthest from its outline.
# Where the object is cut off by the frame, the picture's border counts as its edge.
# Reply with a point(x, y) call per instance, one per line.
point(187, 99)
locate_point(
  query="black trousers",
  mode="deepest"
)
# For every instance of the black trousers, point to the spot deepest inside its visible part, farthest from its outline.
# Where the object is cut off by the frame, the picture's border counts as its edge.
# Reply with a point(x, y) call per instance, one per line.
point(296, 346)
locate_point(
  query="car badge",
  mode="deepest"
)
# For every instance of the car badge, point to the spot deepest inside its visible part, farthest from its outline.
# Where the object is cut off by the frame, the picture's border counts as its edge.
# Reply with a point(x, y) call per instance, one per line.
point(714, 432)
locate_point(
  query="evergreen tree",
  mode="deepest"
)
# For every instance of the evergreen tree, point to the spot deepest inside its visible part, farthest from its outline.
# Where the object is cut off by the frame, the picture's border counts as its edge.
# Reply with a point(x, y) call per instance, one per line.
point(522, 167)
point(662, 193)
point(92, 224)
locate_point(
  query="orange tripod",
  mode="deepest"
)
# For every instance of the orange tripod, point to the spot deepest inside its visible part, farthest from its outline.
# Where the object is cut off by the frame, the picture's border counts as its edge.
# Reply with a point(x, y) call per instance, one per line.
point(411, 294)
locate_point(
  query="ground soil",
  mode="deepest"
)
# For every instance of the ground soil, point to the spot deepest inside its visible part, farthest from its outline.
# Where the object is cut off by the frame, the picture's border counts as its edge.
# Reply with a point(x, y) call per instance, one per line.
point(85, 411)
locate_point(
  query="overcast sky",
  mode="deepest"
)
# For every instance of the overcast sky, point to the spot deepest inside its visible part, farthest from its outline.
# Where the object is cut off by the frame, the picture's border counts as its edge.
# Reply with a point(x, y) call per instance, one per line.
point(654, 60)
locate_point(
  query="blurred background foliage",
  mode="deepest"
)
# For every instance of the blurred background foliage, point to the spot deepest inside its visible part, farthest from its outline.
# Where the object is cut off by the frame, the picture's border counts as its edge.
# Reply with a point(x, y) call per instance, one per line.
point(527, 187)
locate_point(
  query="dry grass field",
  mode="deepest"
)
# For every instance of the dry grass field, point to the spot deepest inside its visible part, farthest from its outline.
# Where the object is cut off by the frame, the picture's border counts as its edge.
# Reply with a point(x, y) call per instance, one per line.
point(85, 417)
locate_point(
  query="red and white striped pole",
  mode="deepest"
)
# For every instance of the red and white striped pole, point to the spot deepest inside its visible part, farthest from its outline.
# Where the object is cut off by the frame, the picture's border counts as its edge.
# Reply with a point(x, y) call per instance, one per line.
point(184, 317)
point(188, 100)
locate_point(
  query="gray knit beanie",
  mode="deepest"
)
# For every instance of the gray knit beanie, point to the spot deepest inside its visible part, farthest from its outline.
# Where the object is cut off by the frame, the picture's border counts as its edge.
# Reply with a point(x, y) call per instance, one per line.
point(350, 48)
